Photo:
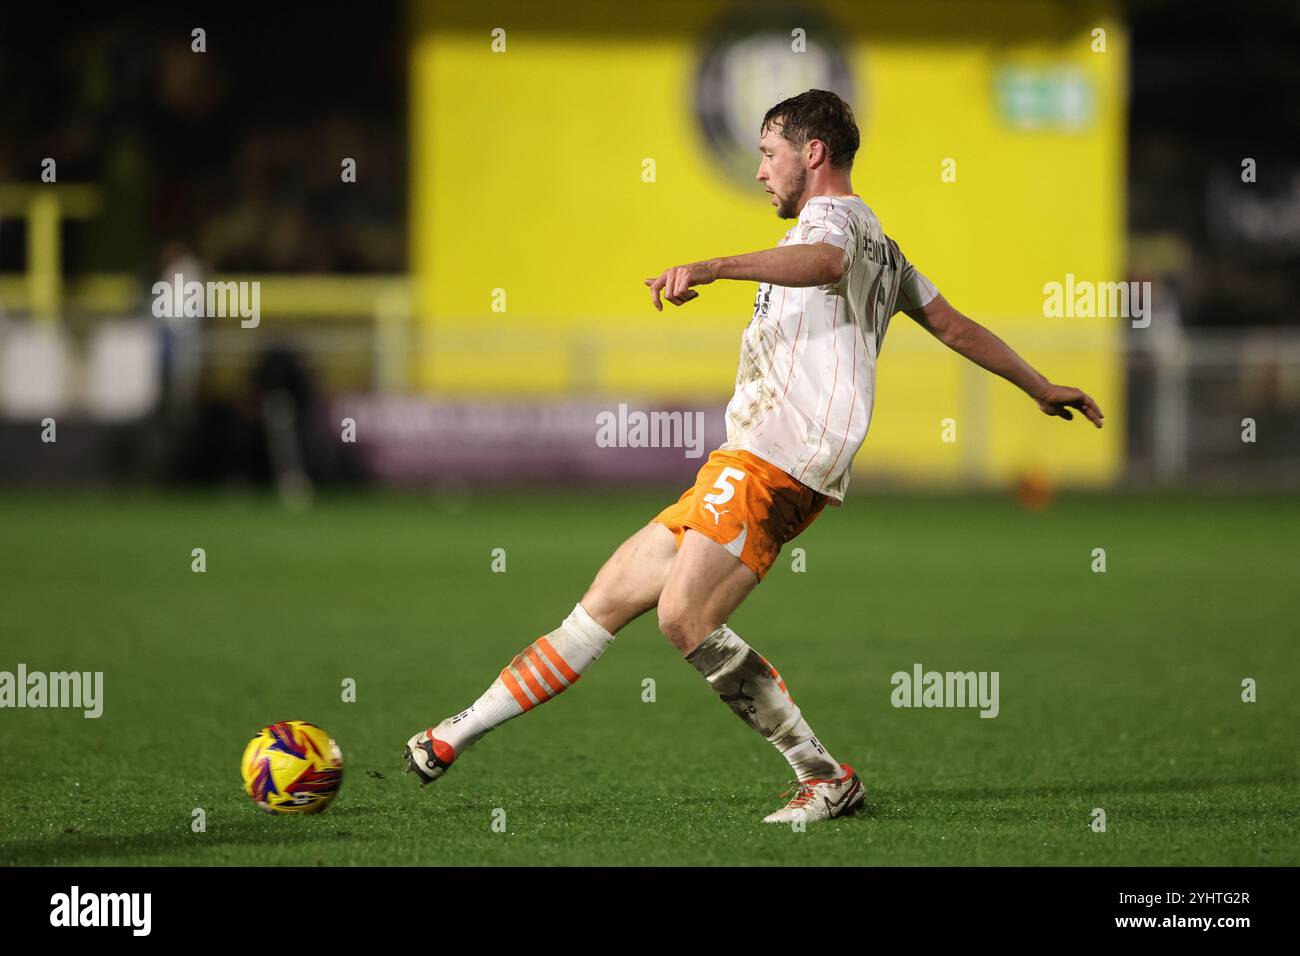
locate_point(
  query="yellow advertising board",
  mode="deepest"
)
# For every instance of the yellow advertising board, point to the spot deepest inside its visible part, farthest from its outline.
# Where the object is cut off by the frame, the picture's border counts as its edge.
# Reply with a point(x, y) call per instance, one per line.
point(559, 158)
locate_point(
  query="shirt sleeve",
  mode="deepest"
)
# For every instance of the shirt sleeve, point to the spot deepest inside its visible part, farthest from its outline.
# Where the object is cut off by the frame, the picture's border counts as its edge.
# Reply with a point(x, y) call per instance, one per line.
point(825, 220)
point(914, 289)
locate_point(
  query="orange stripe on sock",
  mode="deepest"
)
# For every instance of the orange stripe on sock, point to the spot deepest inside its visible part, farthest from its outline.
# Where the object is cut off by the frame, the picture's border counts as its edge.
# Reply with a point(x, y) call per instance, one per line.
point(521, 698)
point(779, 681)
point(547, 675)
point(524, 671)
point(554, 657)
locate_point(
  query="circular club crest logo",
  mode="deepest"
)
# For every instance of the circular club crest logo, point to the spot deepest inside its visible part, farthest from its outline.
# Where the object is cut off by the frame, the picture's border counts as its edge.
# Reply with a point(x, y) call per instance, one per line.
point(748, 66)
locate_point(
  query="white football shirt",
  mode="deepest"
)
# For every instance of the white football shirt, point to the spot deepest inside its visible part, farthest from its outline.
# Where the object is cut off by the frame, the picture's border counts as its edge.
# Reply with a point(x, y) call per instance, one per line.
point(806, 381)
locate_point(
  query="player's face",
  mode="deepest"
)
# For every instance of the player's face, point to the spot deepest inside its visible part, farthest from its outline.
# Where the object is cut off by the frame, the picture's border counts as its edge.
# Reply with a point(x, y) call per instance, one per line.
point(781, 171)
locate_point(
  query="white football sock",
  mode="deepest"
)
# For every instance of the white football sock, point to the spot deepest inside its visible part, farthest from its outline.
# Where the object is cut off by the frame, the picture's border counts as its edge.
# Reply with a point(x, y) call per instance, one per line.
point(547, 667)
point(748, 684)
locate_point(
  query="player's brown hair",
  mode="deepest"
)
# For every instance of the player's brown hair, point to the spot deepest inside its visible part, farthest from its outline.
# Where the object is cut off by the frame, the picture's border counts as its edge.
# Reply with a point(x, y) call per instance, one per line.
point(817, 114)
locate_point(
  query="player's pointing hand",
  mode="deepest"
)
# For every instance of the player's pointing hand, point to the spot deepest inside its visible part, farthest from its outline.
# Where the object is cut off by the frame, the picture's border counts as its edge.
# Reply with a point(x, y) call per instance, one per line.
point(675, 283)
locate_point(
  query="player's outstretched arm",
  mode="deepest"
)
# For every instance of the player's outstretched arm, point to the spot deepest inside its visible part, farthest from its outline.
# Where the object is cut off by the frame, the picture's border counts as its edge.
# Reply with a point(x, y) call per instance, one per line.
point(969, 338)
point(795, 266)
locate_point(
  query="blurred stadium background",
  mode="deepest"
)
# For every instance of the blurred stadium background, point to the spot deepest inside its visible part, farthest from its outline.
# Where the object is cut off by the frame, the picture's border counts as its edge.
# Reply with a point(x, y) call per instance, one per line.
point(475, 297)
point(472, 302)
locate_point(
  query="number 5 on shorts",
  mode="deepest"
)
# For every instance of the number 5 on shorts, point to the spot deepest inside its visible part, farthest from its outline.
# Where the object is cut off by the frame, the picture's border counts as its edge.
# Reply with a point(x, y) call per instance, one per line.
point(726, 488)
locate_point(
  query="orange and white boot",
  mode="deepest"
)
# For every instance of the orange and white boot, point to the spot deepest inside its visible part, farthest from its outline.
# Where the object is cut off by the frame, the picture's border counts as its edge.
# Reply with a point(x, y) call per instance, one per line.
point(428, 756)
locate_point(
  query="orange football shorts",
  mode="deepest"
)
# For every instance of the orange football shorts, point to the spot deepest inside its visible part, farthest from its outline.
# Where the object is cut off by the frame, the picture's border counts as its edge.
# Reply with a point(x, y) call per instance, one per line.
point(747, 505)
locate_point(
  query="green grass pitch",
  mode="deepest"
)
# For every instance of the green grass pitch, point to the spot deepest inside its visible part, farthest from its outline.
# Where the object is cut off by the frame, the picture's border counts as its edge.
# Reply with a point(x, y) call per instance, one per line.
point(1119, 691)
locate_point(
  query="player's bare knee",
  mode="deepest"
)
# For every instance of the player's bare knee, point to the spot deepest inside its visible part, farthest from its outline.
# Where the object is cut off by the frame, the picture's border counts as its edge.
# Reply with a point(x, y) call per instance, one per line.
point(684, 627)
point(674, 629)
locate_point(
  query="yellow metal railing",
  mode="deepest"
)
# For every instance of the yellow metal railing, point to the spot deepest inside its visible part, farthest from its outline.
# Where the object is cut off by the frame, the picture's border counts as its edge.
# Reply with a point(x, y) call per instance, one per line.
point(282, 296)
point(41, 290)
point(45, 207)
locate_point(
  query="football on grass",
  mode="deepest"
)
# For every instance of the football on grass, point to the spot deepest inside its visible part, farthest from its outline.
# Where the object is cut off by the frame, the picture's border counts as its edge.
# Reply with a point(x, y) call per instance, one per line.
point(292, 767)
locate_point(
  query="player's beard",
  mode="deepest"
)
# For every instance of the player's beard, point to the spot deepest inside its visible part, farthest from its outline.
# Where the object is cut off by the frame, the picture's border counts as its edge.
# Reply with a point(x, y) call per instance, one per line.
point(788, 208)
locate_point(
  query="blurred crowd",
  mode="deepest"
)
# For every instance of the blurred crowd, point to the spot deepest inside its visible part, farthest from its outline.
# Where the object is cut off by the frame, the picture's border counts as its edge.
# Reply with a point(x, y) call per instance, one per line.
point(235, 152)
